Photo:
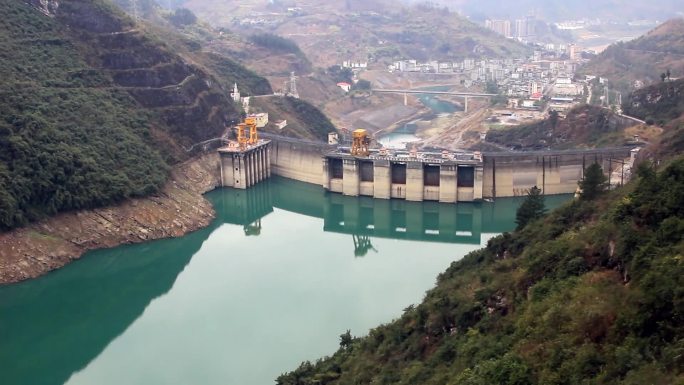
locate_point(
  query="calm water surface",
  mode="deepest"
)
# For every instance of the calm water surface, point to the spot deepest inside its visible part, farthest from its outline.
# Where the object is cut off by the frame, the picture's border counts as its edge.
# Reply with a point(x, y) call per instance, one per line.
point(274, 280)
point(402, 137)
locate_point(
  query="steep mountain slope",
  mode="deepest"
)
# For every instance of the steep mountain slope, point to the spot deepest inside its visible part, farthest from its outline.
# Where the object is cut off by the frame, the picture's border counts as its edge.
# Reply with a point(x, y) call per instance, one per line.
point(94, 108)
point(643, 59)
point(592, 294)
point(663, 104)
point(330, 32)
point(660, 102)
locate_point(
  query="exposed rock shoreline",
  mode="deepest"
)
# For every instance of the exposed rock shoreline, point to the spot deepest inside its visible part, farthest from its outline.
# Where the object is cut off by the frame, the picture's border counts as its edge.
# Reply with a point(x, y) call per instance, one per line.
point(177, 209)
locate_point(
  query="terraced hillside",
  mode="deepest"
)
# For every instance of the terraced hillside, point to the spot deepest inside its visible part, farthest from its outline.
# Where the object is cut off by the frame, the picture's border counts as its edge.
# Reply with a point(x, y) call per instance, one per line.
point(94, 107)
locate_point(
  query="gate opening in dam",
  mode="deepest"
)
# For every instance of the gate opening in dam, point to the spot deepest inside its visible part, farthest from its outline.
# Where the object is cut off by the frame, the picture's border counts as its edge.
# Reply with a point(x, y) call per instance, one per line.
point(415, 177)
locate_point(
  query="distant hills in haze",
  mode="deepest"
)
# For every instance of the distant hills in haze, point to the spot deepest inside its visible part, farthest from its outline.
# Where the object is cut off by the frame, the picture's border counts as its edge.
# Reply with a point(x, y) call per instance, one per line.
point(643, 59)
point(558, 10)
point(330, 32)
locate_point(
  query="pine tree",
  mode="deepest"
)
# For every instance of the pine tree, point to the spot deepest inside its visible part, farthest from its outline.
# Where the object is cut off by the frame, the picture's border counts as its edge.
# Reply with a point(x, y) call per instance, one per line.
point(532, 208)
point(594, 182)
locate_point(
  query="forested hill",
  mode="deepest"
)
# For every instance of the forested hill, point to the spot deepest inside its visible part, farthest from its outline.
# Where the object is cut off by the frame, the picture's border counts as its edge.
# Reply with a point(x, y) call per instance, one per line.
point(94, 107)
point(591, 294)
point(643, 59)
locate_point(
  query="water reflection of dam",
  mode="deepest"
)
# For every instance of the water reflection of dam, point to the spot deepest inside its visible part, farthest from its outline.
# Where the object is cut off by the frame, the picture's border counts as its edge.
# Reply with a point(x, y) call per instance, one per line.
point(368, 217)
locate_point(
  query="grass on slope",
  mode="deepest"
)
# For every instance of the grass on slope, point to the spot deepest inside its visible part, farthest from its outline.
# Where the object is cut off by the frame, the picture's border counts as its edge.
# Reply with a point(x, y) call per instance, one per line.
point(591, 294)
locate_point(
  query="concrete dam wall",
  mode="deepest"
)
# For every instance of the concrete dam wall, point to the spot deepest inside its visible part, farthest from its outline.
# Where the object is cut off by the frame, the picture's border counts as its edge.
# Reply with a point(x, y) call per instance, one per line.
point(555, 172)
point(448, 178)
point(302, 161)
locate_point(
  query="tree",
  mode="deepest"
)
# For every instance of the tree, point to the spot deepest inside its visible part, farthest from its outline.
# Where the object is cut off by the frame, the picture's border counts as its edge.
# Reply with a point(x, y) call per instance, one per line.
point(340, 74)
point(346, 339)
point(363, 85)
point(183, 17)
point(553, 118)
point(594, 182)
point(532, 208)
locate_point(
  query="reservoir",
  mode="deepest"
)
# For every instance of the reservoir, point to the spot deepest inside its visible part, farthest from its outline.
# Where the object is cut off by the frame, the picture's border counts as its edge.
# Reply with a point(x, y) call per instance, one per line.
point(283, 270)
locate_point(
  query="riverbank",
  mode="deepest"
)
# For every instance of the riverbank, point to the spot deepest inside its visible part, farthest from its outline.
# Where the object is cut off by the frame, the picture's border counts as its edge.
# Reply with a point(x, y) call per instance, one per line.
point(178, 209)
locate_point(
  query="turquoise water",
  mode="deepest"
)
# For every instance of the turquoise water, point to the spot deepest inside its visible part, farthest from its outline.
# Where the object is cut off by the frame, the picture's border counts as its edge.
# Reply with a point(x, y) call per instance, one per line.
point(283, 270)
point(402, 137)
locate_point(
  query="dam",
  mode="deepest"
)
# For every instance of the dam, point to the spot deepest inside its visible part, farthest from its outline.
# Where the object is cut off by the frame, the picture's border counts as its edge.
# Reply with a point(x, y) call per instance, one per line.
point(446, 177)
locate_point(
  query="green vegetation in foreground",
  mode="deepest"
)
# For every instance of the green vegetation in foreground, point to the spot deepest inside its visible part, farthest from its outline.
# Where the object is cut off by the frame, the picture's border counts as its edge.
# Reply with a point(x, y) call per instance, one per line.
point(591, 294)
point(532, 208)
point(67, 140)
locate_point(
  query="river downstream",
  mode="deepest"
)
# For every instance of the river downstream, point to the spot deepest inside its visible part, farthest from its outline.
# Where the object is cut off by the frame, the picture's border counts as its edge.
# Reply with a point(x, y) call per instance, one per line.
point(403, 136)
point(283, 270)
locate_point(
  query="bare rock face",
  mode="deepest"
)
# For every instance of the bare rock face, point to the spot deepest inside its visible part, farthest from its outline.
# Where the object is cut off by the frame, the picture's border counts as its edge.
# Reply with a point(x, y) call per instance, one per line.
point(177, 209)
point(47, 7)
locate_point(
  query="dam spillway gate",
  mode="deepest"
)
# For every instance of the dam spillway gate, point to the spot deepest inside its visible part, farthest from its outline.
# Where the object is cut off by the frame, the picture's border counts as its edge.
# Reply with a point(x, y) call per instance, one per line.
point(429, 177)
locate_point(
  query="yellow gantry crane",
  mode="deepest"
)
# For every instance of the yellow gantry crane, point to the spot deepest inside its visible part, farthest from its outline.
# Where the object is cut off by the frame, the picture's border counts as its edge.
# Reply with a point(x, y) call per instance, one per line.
point(360, 143)
point(247, 132)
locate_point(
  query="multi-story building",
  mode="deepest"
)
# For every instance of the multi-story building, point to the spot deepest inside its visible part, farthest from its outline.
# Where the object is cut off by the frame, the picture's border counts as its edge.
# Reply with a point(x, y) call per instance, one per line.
point(502, 27)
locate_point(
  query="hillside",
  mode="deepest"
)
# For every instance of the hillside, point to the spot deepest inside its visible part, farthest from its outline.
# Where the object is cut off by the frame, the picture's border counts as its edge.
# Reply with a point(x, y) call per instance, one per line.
point(643, 59)
point(303, 119)
point(591, 294)
point(560, 10)
point(94, 107)
point(660, 102)
point(375, 30)
point(584, 127)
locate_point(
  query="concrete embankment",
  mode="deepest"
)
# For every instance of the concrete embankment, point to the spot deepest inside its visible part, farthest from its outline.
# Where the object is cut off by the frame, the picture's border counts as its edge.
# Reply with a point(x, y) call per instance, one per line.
point(49, 244)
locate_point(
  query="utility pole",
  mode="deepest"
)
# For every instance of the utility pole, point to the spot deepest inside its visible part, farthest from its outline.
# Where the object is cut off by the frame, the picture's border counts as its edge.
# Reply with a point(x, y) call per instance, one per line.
point(134, 9)
point(293, 85)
